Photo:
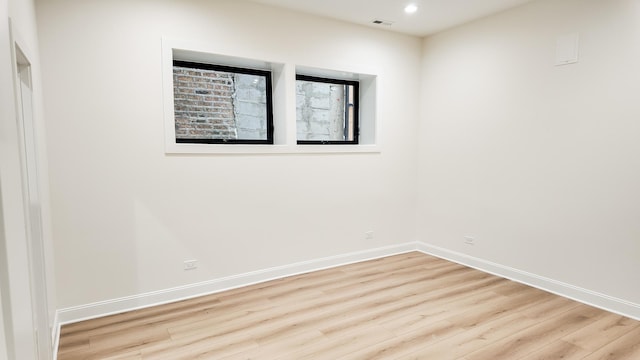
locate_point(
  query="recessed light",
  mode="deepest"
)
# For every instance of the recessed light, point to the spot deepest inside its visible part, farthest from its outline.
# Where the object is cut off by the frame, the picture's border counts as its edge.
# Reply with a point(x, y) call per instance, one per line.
point(411, 8)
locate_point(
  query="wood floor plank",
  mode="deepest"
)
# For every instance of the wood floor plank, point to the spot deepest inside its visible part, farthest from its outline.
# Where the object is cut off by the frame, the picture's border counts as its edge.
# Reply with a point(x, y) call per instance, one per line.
point(473, 339)
point(599, 333)
point(336, 347)
point(533, 338)
point(395, 309)
point(550, 306)
point(557, 350)
point(407, 343)
point(407, 306)
point(420, 316)
point(285, 348)
point(626, 347)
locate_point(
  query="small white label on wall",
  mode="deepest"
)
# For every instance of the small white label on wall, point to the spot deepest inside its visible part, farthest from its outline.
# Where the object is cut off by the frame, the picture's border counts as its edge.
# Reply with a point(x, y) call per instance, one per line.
point(567, 47)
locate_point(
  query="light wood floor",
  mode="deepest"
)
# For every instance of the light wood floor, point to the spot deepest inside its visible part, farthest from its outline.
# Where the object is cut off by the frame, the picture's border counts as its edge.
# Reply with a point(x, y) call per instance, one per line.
point(409, 306)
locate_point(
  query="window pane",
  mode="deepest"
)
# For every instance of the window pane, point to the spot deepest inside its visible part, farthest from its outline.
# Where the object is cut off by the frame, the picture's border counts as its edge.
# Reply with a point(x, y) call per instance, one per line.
point(326, 110)
point(213, 104)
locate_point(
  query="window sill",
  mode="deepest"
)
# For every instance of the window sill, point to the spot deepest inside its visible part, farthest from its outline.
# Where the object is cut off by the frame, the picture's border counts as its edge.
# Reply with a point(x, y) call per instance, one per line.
point(213, 149)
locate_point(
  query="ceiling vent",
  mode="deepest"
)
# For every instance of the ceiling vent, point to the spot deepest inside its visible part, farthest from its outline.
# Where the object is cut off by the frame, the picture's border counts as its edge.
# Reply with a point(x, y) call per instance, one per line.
point(382, 22)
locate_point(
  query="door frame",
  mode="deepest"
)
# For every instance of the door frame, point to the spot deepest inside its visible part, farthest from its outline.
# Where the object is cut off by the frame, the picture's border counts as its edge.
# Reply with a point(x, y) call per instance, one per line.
point(31, 192)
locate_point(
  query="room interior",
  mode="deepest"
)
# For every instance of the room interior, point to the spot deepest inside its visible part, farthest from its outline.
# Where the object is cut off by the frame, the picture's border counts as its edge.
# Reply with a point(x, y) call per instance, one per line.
point(488, 152)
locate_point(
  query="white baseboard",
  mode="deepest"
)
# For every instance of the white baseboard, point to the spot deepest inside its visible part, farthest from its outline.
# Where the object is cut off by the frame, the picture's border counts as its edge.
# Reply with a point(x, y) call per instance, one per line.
point(582, 295)
point(114, 306)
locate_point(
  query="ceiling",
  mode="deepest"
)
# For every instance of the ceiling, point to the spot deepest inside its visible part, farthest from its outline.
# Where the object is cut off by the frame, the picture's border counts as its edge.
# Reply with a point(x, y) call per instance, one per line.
point(432, 15)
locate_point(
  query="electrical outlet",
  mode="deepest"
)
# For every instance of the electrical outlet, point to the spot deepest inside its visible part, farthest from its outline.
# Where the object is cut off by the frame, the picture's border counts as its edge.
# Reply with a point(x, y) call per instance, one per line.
point(190, 264)
point(469, 240)
point(368, 235)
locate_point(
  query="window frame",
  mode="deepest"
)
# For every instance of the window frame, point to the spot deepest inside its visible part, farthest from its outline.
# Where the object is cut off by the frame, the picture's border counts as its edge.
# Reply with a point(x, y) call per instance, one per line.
point(356, 110)
point(238, 70)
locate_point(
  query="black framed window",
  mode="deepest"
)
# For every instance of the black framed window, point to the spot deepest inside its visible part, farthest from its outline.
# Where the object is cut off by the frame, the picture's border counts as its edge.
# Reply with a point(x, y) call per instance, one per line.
point(216, 104)
point(326, 110)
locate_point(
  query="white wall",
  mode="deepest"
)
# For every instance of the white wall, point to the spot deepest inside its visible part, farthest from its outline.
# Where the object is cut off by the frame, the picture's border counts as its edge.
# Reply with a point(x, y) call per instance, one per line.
point(539, 163)
point(126, 215)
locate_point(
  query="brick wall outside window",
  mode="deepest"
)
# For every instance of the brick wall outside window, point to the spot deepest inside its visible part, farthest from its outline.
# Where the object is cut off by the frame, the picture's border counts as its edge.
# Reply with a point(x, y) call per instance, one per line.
point(213, 104)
